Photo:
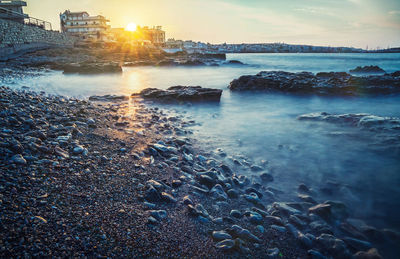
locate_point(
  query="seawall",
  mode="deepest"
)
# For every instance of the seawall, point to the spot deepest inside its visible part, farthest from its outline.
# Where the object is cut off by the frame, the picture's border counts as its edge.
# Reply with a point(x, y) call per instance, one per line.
point(17, 39)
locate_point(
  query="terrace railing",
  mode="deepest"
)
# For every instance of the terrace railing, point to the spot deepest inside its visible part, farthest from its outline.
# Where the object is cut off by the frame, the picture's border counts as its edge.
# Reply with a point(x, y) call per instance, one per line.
point(24, 18)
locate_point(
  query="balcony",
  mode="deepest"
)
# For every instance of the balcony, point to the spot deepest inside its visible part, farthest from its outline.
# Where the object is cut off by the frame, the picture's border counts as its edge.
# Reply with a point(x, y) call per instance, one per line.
point(8, 3)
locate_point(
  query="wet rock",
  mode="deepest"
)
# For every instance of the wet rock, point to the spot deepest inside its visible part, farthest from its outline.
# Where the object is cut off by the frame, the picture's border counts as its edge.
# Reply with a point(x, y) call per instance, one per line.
point(358, 245)
point(198, 210)
point(266, 177)
point(367, 70)
point(176, 183)
point(370, 254)
point(333, 83)
point(187, 200)
point(233, 194)
point(152, 194)
point(158, 214)
point(18, 159)
point(244, 234)
point(273, 253)
point(168, 197)
point(235, 214)
point(218, 193)
point(234, 62)
point(322, 210)
point(182, 93)
point(307, 198)
point(255, 218)
point(256, 168)
point(221, 235)
point(314, 254)
point(91, 68)
point(333, 245)
point(225, 245)
point(108, 98)
point(252, 197)
point(303, 188)
point(285, 209)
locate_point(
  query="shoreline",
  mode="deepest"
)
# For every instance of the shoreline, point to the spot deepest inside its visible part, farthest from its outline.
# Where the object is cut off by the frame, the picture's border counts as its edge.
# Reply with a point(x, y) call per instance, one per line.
point(96, 175)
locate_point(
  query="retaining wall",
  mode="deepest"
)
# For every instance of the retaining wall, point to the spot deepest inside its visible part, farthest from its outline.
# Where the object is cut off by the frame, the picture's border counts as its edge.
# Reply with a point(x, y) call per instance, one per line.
point(17, 39)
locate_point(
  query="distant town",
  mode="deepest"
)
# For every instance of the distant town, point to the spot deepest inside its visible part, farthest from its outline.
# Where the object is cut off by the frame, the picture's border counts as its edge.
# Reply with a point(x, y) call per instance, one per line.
point(90, 29)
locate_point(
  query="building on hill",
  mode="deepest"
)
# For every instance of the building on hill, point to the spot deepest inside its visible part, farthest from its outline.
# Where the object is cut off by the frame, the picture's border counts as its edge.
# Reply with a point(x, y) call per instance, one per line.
point(84, 26)
point(13, 10)
point(155, 34)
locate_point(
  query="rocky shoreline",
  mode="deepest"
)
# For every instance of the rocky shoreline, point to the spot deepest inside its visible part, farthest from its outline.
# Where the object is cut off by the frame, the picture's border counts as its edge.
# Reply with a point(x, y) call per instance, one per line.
point(115, 177)
point(323, 83)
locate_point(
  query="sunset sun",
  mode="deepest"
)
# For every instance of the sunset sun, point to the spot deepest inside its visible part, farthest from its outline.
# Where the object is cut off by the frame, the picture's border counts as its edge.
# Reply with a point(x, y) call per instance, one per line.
point(131, 27)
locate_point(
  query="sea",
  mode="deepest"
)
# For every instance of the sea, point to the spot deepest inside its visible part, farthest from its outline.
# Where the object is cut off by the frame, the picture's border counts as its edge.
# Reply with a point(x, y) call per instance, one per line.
point(338, 162)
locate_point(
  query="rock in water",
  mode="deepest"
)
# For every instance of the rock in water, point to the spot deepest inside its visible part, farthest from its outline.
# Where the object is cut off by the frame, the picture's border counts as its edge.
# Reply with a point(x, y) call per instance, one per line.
point(367, 69)
point(182, 93)
point(92, 68)
point(324, 83)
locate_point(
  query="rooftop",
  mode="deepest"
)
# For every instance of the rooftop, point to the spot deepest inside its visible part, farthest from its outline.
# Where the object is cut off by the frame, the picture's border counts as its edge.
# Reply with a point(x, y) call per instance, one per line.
point(4, 3)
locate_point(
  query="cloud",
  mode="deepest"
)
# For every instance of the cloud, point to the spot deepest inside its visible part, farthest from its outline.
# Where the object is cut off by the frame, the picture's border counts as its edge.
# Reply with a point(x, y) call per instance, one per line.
point(393, 13)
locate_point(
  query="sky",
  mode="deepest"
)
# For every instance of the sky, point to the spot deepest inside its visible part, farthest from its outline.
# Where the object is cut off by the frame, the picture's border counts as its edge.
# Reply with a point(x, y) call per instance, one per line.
point(349, 23)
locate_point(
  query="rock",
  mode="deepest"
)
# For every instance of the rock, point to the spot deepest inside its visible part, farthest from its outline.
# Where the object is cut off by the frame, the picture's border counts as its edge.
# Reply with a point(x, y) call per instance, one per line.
point(333, 245)
point(368, 69)
point(18, 159)
point(221, 235)
point(370, 254)
point(108, 98)
point(181, 93)
point(152, 194)
point(285, 209)
point(232, 193)
point(333, 83)
point(92, 68)
point(234, 62)
point(198, 210)
point(314, 254)
point(260, 229)
point(358, 245)
point(176, 183)
point(303, 188)
point(255, 218)
point(256, 168)
point(158, 214)
point(206, 180)
point(168, 197)
point(245, 234)
point(266, 177)
point(235, 214)
point(338, 209)
point(60, 152)
point(252, 197)
point(225, 245)
point(187, 200)
point(273, 253)
point(322, 210)
point(218, 193)
point(78, 149)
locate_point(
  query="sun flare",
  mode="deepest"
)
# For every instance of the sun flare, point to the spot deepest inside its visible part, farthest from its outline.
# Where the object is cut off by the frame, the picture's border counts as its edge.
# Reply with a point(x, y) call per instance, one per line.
point(131, 27)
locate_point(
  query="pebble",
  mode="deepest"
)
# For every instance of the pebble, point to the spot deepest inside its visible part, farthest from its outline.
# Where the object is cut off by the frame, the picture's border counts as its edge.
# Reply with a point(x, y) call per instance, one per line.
point(18, 159)
point(221, 235)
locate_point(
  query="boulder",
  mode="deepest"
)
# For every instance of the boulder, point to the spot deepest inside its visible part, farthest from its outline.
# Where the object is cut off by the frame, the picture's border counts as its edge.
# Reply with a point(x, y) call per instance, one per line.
point(182, 93)
point(367, 70)
point(92, 68)
point(331, 83)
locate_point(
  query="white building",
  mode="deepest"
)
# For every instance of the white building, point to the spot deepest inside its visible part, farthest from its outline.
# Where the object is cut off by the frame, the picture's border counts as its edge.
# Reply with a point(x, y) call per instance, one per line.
point(84, 26)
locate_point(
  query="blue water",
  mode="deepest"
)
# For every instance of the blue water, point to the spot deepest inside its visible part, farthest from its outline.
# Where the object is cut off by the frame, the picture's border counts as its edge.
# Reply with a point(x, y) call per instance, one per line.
point(262, 128)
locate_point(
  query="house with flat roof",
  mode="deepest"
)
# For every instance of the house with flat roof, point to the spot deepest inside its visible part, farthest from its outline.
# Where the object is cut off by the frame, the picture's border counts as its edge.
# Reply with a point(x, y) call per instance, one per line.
point(84, 26)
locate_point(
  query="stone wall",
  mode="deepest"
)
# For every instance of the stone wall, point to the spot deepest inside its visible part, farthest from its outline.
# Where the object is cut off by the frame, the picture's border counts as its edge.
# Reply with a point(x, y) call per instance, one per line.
point(17, 39)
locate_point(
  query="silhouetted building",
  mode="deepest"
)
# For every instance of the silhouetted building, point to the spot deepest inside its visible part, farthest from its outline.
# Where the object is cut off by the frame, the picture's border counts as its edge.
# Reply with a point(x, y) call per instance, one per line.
point(84, 26)
point(12, 10)
point(155, 34)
